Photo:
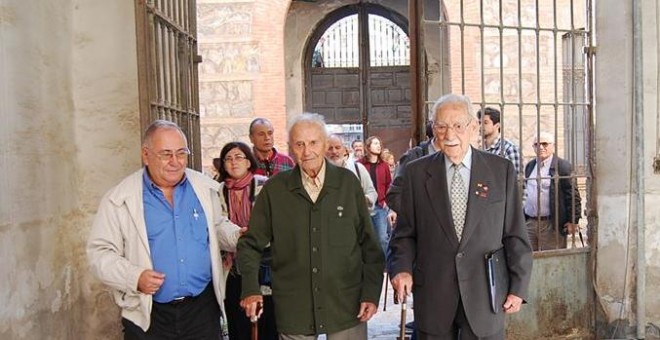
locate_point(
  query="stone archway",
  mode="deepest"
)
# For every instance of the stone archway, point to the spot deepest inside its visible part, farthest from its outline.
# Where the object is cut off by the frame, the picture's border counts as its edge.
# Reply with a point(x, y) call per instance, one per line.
point(303, 19)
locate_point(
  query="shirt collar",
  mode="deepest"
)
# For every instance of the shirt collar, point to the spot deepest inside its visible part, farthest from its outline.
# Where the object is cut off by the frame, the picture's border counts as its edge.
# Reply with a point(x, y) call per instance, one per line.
point(467, 160)
point(547, 161)
point(148, 183)
point(316, 181)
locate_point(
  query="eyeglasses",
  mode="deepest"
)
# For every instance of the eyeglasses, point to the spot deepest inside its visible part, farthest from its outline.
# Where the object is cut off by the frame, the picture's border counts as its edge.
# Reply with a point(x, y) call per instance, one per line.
point(459, 127)
point(543, 144)
point(236, 158)
point(167, 155)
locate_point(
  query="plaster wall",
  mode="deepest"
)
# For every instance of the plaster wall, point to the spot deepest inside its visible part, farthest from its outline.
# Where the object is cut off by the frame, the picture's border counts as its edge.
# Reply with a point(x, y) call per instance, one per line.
point(107, 132)
point(68, 130)
point(617, 249)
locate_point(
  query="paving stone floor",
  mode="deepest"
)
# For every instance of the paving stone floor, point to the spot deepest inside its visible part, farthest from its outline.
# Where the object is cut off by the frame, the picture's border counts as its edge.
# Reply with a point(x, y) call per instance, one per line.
point(385, 324)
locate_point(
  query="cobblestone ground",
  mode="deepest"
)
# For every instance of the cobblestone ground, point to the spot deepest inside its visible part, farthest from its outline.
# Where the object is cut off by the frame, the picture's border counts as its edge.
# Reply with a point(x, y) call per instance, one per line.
point(385, 324)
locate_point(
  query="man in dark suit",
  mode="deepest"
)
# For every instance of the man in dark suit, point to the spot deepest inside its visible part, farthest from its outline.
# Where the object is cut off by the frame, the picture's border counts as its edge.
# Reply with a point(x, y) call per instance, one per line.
point(458, 205)
point(551, 211)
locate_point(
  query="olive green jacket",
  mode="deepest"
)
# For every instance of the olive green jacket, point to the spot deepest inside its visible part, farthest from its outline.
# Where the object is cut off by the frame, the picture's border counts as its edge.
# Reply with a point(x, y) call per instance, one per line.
point(326, 258)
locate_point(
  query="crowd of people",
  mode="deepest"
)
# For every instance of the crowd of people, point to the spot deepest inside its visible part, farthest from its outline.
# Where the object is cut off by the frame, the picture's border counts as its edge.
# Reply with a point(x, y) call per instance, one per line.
point(289, 248)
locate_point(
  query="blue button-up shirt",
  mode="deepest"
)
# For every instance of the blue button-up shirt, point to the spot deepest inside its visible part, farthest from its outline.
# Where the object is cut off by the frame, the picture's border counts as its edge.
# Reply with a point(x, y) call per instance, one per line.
point(178, 240)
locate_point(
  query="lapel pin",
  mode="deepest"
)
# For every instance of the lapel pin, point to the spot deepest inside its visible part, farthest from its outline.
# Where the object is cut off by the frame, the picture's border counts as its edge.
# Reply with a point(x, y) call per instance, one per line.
point(482, 190)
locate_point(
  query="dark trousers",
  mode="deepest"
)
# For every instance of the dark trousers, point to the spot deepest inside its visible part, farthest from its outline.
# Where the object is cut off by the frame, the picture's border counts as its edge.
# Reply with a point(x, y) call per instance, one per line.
point(192, 318)
point(461, 330)
point(239, 325)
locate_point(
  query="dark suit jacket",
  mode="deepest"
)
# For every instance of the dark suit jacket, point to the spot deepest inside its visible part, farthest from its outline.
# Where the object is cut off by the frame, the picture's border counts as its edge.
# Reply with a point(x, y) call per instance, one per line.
point(425, 244)
point(393, 197)
point(568, 209)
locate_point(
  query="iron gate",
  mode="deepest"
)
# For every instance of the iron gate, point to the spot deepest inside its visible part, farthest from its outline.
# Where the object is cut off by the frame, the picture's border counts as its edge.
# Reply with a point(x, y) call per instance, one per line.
point(167, 67)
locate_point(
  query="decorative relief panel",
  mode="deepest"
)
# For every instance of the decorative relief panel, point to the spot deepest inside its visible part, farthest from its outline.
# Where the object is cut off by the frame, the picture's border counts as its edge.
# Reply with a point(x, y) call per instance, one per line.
point(226, 99)
point(214, 137)
point(226, 21)
point(229, 58)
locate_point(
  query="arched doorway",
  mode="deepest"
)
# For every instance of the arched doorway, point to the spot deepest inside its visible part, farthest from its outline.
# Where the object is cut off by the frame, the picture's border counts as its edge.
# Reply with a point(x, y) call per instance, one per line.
point(357, 74)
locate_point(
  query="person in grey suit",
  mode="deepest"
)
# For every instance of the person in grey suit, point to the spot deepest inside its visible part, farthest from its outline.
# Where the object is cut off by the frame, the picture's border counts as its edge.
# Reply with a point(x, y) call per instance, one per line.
point(457, 205)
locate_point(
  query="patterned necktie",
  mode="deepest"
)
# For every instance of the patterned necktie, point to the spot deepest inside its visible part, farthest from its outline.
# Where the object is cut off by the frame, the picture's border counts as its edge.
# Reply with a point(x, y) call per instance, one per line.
point(458, 200)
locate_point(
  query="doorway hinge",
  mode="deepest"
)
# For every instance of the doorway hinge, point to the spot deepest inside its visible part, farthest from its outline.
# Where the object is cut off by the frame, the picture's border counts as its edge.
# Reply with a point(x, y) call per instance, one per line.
point(589, 50)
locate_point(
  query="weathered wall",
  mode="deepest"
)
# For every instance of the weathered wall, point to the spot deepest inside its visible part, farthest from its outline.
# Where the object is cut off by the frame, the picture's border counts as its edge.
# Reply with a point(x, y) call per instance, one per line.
point(39, 267)
point(68, 101)
point(107, 130)
point(617, 227)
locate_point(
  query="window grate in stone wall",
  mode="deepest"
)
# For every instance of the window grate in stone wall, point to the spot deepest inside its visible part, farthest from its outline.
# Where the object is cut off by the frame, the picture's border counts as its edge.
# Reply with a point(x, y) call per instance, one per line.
point(339, 45)
point(167, 66)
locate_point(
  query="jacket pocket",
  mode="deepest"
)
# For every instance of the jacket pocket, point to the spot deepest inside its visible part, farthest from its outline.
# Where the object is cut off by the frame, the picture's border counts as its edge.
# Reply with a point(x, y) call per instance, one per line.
point(341, 232)
point(126, 301)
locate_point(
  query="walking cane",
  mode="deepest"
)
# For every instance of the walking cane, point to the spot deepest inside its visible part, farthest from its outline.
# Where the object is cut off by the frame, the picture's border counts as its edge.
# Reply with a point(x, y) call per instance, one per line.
point(402, 333)
point(387, 280)
point(255, 323)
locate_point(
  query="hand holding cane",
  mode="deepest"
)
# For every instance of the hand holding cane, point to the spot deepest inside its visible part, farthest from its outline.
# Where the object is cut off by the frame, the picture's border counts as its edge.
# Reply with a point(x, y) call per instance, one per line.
point(255, 322)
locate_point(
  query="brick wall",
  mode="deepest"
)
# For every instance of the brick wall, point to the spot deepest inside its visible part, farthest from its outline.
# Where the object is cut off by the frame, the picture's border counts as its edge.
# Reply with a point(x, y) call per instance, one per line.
point(242, 73)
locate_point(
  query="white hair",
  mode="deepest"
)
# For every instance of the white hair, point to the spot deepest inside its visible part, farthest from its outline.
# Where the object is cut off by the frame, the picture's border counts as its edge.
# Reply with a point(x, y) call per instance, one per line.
point(545, 137)
point(160, 124)
point(451, 98)
point(311, 118)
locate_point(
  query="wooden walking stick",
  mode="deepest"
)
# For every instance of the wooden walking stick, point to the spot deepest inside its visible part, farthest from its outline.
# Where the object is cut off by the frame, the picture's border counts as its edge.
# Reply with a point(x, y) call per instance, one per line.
point(387, 280)
point(402, 332)
point(255, 323)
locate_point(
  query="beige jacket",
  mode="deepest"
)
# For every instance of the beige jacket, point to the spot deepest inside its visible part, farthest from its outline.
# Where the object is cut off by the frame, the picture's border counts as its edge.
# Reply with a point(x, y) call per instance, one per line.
point(118, 248)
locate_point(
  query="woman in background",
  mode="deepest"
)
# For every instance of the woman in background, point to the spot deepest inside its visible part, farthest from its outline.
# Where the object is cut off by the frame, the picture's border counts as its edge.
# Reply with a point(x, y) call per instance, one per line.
point(388, 157)
point(239, 187)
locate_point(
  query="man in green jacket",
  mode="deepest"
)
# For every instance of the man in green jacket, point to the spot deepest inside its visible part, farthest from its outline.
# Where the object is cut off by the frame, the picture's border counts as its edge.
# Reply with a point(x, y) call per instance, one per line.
point(327, 263)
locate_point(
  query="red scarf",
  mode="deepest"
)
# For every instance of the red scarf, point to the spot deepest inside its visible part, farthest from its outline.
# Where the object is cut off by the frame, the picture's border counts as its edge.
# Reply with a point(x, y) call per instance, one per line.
point(240, 205)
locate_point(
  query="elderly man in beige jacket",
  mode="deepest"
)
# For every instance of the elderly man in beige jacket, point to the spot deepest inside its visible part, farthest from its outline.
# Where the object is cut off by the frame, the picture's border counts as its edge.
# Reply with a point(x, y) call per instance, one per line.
point(156, 243)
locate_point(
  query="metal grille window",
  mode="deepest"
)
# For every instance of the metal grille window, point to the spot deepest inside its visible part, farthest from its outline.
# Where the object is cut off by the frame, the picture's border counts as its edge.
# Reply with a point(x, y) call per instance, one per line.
point(529, 60)
point(339, 46)
point(167, 66)
point(388, 43)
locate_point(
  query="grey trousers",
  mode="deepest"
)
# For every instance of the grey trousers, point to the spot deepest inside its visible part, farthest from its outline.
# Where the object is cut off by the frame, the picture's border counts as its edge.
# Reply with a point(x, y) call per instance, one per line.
point(543, 236)
point(358, 332)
